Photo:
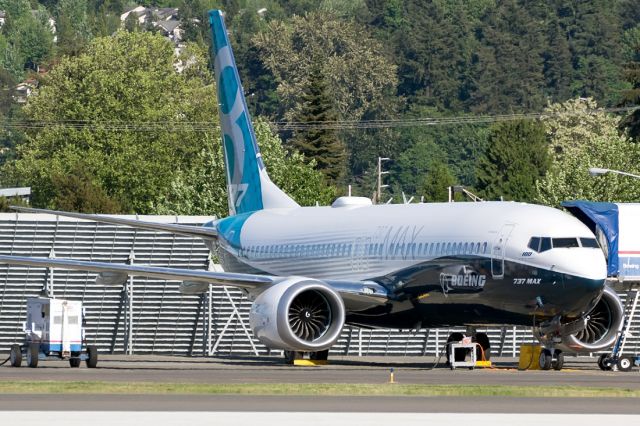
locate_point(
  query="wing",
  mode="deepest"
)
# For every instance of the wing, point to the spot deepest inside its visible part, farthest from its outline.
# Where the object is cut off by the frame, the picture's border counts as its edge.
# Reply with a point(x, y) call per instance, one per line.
point(209, 233)
point(357, 295)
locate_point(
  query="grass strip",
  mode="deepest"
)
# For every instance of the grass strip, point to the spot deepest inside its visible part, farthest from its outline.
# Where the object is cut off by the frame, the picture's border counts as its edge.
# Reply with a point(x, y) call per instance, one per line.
point(385, 389)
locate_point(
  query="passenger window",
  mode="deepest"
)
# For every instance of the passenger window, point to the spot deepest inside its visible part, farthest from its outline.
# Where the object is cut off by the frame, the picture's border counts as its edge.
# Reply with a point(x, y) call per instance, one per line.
point(589, 242)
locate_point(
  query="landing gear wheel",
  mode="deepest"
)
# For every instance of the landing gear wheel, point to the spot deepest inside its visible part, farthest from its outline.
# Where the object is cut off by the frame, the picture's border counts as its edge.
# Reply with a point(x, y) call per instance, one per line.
point(483, 340)
point(319, 356)
point(558, 361)
point(605, 363)
point(454, 338)
point(290, 356)
point(75, 362)
point(32, 354)
point(625, 364)
point(92, 357)
point(545, 359)
point(15, 356)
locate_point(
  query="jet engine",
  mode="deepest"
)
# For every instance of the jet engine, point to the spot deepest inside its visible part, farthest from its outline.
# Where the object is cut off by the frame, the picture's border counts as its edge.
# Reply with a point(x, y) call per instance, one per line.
point(601, 325)
point(298, 314)
point(596, 331)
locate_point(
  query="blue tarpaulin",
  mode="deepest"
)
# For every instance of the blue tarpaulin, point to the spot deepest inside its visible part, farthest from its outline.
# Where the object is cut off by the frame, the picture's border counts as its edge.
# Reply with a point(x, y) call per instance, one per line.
point(604, 216)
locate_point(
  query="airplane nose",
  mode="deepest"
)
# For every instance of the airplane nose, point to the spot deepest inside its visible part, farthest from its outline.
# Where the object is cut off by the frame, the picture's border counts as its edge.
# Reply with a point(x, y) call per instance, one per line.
point(586, 263)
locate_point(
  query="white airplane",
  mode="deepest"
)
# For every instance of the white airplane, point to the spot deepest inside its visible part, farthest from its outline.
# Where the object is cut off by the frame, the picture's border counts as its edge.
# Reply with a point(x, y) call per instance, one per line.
point(311, 270)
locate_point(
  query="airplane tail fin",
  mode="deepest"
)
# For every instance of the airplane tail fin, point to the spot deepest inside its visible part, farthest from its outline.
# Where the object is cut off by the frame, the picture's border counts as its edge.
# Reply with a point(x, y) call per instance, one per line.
point(248, 185)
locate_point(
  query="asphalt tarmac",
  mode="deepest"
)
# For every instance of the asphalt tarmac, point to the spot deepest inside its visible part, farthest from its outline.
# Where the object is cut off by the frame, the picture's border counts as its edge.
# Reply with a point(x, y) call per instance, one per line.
point(408, 370)
point(579, 372)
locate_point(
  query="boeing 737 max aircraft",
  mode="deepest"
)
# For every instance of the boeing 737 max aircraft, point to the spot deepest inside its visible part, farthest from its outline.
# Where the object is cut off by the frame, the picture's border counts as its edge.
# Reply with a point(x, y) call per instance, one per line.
point(310, 270)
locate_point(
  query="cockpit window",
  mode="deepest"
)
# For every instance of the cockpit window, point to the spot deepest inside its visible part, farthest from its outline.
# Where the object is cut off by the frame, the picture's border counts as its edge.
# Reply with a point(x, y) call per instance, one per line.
point(539, 244)
point(565, 242)
point(589, 242)
point(545, 244)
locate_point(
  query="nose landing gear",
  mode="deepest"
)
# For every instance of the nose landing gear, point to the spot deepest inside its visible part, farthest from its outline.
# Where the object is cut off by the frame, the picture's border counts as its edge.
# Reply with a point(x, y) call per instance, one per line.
point(551, 358)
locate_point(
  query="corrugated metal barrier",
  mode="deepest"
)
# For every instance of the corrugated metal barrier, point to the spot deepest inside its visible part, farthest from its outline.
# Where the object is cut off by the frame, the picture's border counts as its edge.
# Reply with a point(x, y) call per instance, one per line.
point(147, 316)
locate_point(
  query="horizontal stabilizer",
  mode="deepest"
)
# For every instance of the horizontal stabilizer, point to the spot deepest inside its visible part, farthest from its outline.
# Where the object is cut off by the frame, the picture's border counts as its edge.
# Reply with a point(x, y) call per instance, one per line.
point(173, 228)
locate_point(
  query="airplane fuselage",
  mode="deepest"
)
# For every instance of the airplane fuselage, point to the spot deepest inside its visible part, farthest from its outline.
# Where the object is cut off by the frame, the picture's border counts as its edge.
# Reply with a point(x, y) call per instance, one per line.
point(444, 264)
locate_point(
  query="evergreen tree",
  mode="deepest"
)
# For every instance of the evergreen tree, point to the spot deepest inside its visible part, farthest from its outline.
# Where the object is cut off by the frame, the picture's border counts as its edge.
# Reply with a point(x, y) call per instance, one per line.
point(516, 158)
point(508, 72)
point(321, 145)
point(631, 73)
point(72, 26)
point(435, 184)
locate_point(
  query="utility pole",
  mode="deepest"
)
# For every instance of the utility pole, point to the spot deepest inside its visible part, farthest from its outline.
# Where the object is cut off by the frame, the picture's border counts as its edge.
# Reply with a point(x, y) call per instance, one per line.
point(380, 174)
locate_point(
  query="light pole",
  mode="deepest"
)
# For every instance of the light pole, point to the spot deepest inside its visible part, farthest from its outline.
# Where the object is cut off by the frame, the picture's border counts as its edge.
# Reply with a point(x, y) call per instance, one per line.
point(596, 171)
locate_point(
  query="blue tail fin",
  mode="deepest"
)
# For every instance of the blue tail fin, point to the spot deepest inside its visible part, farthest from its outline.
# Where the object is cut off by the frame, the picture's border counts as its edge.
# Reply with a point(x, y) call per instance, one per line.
point(248, 185)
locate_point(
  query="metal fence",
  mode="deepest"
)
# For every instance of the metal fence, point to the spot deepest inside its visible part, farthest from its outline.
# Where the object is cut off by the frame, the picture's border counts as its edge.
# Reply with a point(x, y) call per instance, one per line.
point(146, 315)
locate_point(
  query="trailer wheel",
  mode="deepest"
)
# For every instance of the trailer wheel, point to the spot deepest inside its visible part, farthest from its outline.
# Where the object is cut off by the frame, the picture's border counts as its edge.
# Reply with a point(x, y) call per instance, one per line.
point(74, 362)
point(625, 364)
point(92, 357)
point(32, 354)
point(15, 356)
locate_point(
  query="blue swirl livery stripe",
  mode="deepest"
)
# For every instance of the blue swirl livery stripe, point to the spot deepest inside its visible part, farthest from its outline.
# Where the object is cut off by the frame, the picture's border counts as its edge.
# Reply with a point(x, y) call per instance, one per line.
point(230, 228)
point(242, 155)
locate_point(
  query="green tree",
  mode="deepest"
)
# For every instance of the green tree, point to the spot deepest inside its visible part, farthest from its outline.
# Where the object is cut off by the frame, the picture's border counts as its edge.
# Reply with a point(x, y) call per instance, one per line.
point(515, 159)
point(28, 37)
point(412, 166)
point(581, 139)
point(631, 72)
point(508, 66)
point(434, 186)
point(77, 190)
point(321, 145)
point(358, 77)
point(201, 190)
point(119, 81)
point(72, 25)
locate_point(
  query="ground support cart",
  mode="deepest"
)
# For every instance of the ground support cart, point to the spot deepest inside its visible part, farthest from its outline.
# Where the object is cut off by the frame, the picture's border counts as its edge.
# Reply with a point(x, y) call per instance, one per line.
point(54, 330)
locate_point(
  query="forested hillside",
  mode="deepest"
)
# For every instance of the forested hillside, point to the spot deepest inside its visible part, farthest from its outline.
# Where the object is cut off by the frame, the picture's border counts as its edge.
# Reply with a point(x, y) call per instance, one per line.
point(377, 69)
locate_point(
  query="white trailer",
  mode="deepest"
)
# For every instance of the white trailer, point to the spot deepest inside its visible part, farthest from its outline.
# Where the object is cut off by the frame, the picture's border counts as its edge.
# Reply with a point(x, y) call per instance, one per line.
point(54, 329)
point(617, 227)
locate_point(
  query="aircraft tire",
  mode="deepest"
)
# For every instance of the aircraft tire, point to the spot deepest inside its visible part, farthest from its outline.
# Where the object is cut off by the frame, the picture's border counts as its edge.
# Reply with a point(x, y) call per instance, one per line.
point(319, 356)
point(290, 356)
point(604, 362)
point(483, 340)
point(558, 362)
point(545, 359)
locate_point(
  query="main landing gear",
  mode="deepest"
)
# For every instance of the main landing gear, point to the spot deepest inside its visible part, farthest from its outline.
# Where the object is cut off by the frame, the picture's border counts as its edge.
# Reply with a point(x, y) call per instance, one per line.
point(483, 350)
point(551, 358)
point(291, 356)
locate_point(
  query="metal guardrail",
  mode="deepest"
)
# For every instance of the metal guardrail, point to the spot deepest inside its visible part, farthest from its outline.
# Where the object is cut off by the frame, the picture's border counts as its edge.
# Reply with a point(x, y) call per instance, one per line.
point(148, 316)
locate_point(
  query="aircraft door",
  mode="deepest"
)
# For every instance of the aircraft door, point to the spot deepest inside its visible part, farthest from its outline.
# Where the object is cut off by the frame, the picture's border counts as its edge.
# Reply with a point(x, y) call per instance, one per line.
point(498, 251)
point(359, 258)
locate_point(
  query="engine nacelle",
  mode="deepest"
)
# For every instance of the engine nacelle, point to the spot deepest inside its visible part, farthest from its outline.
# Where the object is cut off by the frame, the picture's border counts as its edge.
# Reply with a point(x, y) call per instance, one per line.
point(602, 324)
point(298, 314)
point(597, 331)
